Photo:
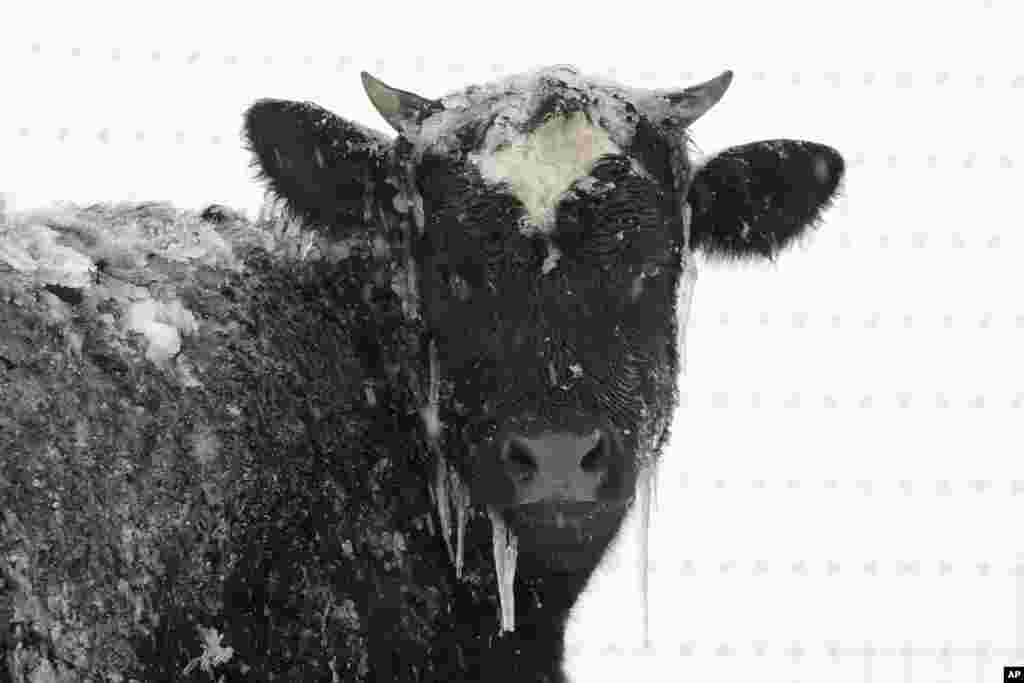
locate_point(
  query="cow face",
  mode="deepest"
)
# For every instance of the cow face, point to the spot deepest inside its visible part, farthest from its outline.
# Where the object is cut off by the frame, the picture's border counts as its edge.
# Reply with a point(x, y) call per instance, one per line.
point(550, 221)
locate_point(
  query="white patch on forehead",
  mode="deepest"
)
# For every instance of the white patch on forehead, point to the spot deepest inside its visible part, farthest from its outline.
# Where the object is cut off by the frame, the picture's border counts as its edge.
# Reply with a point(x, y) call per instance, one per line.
point(541, 166)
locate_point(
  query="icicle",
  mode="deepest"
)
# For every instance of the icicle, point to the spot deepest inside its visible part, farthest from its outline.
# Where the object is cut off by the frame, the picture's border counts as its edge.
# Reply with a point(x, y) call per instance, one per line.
point(505, 553)
point(460, 497)
point(430, 519)
point(412, 304)
point(429, 413)
point(413, 197)
point(434, 388)
point(443, 502)
point(417, 211)
point(369, 190)
point(688, 280)
point(448, 492)
point(646, 494)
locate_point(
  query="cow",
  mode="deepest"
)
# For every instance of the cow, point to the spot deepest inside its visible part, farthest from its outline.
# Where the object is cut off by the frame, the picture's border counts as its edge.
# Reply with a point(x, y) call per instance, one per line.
point(548, 224)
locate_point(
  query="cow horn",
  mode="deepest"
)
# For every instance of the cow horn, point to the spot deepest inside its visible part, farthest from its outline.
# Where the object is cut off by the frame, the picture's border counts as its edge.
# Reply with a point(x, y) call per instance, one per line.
point(402, 110)
point(683, 107)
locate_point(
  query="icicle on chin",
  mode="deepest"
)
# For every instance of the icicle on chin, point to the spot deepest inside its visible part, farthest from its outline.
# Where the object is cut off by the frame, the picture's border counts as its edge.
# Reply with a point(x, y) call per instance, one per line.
point(505, 546)
point(442, 501)
point(449, 493)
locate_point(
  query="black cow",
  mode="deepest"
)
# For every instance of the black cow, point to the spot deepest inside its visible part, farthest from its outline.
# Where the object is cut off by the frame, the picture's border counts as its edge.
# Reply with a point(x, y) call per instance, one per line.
point(547, 222)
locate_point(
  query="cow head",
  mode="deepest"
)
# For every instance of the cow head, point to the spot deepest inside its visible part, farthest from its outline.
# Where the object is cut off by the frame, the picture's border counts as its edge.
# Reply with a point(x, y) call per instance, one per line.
point(549, 221)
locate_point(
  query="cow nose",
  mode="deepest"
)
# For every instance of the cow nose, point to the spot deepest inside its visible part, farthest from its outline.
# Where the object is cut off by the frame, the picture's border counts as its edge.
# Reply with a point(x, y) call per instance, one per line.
point(557, 466)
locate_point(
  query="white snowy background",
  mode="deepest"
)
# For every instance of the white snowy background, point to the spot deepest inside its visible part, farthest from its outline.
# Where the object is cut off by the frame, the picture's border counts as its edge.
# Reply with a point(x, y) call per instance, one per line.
point(842, 497)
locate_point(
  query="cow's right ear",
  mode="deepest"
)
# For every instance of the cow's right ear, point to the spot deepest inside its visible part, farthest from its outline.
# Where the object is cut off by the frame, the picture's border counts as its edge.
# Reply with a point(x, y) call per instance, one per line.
point(328, 171)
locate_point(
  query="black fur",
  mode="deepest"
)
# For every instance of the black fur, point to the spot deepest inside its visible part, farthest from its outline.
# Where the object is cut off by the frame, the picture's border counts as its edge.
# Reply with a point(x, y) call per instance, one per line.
point(771, 186)
point(527, 347)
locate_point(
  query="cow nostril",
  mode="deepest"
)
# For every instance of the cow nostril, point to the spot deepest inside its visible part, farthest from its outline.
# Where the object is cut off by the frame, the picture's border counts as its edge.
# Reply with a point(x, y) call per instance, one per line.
point(596, 458)
point(519, 463)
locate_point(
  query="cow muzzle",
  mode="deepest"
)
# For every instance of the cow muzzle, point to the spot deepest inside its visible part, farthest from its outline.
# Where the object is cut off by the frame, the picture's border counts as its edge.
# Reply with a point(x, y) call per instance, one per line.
point(556, 470)
point(563, 494)
point(556, 467)
point(556, 498)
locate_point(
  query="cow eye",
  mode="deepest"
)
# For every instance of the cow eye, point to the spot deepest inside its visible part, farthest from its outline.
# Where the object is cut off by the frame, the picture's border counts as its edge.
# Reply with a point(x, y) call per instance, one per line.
point(609, 166)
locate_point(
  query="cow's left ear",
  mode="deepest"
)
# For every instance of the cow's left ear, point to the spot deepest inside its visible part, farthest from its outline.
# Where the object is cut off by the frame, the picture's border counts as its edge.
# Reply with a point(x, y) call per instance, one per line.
point(329, 171)
point(754, 199)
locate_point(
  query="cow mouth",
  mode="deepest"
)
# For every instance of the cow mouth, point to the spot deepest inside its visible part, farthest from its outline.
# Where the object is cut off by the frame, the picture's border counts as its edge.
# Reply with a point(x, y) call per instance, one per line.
point(565, 536)
point(563, 522)
point(552, 536)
